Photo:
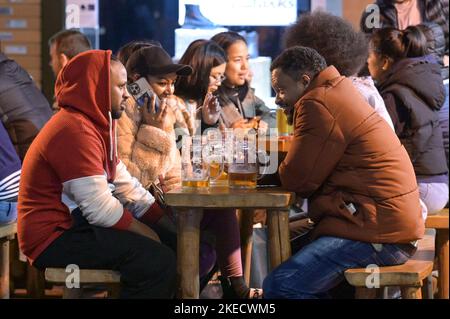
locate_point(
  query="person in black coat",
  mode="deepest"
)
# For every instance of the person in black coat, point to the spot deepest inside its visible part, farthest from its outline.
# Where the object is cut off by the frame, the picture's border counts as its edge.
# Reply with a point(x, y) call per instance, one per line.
point(430, 11)
point(410, 83)
point(23, 108)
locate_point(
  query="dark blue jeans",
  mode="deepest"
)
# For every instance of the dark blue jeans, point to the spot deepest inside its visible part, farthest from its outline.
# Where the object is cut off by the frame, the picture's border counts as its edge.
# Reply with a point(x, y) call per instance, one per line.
point(8, 212)
point(320, 266)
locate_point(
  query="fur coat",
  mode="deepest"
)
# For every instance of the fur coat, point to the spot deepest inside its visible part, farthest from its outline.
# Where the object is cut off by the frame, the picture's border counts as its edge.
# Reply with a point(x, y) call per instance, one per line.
point(148, 151)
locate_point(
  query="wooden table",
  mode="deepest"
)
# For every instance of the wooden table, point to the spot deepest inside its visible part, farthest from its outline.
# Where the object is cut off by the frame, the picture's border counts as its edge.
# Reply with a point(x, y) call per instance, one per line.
point(440, 223)
point(7, 232)
point(190, 204)
point(283, 142)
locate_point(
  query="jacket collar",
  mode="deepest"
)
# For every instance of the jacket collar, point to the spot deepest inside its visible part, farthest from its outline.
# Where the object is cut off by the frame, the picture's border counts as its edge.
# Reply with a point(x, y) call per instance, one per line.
point(329, 76)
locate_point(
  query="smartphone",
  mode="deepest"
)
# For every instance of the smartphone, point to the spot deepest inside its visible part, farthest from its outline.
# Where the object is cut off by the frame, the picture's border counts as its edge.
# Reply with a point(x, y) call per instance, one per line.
point(140, 90)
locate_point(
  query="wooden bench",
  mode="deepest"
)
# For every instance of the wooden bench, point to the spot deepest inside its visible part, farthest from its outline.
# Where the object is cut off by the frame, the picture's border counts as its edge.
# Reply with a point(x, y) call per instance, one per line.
point(409, 276)
point(7, 233)
point(109, 278)
point(439, 222)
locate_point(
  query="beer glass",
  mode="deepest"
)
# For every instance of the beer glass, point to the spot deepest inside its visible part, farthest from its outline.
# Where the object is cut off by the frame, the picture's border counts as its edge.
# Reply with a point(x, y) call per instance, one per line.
point(243, 170)
point(216, 158)
point(194, 170)
point(284, 129)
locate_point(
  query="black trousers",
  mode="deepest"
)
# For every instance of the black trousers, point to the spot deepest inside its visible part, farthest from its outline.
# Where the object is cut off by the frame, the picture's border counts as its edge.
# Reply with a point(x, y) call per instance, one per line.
point(147, 268)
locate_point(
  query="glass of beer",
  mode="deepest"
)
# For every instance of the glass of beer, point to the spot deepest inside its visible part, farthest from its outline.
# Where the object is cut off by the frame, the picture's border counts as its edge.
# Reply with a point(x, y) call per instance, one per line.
point(282, 124)
point(194, 170)
point(243, 171)
point(216, 158)
point(284, 129)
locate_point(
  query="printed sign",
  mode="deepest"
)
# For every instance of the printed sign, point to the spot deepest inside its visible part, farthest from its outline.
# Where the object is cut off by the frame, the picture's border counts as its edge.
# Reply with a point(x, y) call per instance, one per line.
point(82, 14)
point(238, 12)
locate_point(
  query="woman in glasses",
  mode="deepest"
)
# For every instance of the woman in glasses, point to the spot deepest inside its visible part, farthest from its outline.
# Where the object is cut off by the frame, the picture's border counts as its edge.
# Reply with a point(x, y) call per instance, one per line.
point(241, 108)
point(208, 61)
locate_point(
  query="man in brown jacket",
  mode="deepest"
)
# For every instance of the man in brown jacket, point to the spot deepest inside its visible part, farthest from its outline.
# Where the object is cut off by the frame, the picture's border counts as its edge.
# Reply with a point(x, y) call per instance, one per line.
point(363, 198)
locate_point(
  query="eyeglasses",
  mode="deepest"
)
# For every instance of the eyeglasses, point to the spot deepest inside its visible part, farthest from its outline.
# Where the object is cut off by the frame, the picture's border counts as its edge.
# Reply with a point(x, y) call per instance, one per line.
point(218, 78)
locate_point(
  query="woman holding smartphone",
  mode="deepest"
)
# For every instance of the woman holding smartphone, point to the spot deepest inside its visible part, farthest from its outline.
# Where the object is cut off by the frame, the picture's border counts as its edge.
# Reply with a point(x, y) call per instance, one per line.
point(196, 91)
point(146, 132)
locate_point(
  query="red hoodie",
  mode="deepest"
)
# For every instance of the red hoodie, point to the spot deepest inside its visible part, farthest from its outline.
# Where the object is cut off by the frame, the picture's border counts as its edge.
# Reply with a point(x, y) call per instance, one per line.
point(73, 164)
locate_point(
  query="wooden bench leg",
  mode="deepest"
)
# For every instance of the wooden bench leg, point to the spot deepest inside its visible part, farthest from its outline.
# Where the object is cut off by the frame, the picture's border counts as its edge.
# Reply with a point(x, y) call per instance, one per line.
point(443, 256)
point(114, 291)
point(72, 293)
point(411, 292)
point(4, 268)
point(246, 227)
point(427, 288)
point(365, 293)
point(188, 243)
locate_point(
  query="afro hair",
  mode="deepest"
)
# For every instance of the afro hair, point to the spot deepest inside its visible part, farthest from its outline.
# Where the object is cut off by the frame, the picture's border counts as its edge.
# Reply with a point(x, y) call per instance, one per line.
point(333, 37)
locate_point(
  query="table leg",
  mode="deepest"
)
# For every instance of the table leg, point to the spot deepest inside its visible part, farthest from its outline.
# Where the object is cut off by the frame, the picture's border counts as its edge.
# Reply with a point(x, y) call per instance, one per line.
point(278, 238)
point(4, 268)
point(246, 225)
point(285, 241)
point(443, 256)
point(188, 245)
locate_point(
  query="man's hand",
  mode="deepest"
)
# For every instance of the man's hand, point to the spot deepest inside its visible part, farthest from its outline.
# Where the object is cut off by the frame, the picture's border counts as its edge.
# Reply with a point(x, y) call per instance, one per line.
point(141, 229)
point(300, 227)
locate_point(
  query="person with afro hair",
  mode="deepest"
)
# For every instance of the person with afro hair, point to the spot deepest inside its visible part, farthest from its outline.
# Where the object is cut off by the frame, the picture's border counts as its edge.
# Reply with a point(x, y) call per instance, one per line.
point(342, 46)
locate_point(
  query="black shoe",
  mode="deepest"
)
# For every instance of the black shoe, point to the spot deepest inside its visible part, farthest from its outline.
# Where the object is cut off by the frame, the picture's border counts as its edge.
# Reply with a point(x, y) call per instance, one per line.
point(247, 293)
point(205, 279)
point(228, 292)
point(195, 19)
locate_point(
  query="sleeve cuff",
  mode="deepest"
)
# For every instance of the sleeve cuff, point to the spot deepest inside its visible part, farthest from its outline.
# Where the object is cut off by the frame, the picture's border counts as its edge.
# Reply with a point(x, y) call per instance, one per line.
point(153, 215)
point(124, 221)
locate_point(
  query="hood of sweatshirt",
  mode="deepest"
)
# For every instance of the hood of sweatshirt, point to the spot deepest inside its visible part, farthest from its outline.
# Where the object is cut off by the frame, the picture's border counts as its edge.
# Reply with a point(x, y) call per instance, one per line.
point(83, 86)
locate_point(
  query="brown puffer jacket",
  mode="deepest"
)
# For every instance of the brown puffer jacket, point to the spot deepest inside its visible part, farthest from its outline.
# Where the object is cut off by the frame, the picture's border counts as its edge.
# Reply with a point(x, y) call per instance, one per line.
point(344, 153)
point(147, 151)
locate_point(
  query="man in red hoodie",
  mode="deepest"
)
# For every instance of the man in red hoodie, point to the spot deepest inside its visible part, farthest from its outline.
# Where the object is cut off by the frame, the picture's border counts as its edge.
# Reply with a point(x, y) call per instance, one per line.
point(77, 202)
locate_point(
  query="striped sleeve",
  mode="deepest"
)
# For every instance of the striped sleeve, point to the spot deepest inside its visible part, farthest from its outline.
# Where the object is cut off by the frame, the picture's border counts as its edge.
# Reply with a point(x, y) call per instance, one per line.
point(9, 186)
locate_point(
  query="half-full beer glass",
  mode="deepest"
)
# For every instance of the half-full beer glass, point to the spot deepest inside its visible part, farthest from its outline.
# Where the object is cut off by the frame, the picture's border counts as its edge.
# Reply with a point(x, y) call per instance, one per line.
point(284, 129)
point(216, 158)
point(243, 171)
point(194, 170)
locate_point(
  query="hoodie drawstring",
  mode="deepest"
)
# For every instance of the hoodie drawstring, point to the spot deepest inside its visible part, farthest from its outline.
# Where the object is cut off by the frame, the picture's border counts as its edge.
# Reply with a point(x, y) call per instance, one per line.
point(116, 141)
point(111, 149)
